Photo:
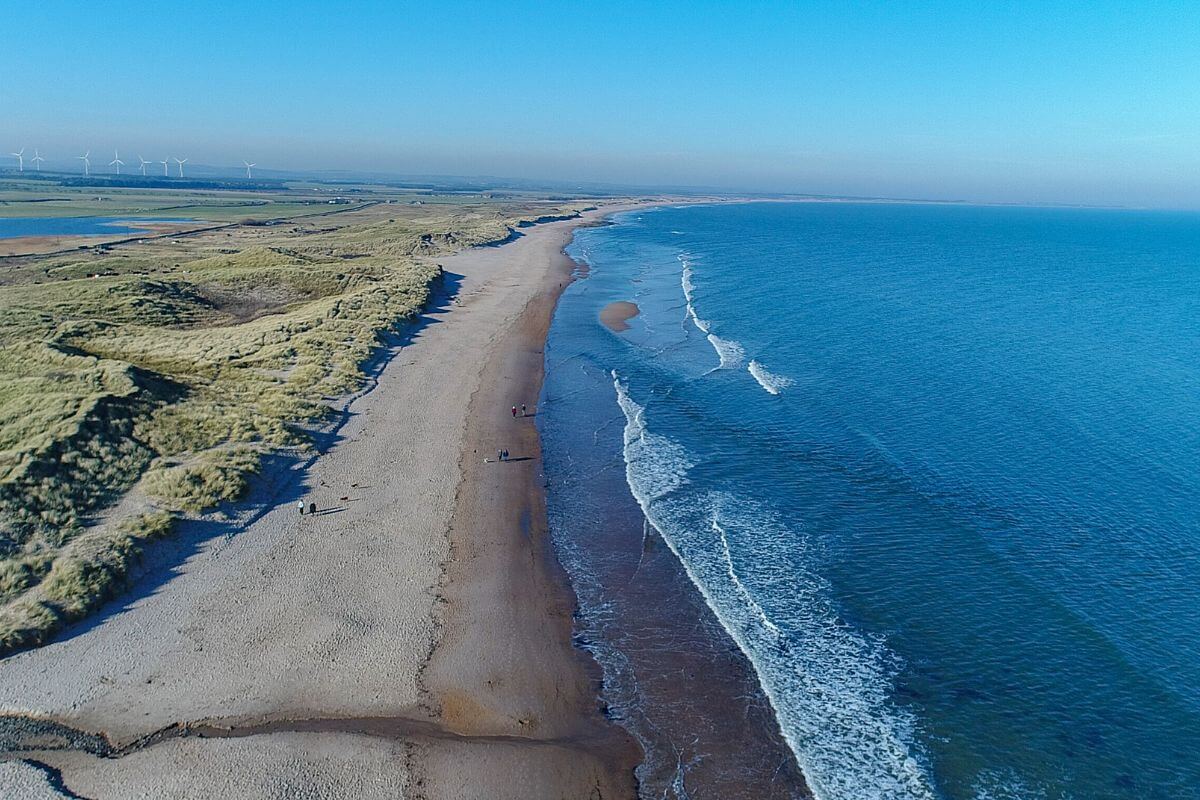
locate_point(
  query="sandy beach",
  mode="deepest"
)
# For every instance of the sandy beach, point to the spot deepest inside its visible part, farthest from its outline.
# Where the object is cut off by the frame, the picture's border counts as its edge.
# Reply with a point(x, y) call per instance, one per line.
point(413, 638)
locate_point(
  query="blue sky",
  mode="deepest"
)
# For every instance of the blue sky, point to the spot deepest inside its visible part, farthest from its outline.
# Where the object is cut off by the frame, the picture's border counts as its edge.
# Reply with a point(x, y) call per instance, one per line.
point(1019, 102)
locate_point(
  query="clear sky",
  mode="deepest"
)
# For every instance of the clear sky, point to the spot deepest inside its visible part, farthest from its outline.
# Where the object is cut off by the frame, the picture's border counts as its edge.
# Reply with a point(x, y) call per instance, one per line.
point(1092, 102)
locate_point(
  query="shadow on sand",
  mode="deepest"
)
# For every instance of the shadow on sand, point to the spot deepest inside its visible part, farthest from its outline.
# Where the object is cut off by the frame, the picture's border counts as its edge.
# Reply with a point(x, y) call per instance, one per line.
point(282, 481)
point(326, 511)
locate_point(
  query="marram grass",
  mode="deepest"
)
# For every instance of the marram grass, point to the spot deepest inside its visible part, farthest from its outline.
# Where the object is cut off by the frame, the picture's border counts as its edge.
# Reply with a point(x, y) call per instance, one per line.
point(170, 369)
point(79, 581)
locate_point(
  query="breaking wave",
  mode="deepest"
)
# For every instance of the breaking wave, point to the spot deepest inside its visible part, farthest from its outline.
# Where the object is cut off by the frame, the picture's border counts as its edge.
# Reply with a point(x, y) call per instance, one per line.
point(828, 683)
point(768, 380)
point(728, 351)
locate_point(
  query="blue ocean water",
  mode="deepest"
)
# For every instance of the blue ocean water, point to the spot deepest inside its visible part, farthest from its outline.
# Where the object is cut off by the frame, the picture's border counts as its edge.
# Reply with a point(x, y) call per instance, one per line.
point(13, 227)
point(935, 469)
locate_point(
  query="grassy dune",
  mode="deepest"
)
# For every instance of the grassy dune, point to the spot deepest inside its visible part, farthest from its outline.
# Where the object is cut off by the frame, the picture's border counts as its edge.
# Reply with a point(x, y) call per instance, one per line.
point(156, 375)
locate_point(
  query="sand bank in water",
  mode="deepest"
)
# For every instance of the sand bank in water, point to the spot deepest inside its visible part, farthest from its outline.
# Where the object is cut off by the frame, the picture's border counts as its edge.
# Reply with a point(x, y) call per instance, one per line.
point(615, 316)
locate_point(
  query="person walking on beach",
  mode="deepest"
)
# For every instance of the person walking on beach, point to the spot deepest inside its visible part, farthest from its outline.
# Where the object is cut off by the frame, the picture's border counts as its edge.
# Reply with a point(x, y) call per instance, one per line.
point(499, 454)
point(300, 505)
point(514, 412)
point(312, 508)
point(522, 409)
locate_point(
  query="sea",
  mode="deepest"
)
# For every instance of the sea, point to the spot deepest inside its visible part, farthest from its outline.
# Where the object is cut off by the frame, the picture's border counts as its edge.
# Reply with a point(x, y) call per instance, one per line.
point(931, 471)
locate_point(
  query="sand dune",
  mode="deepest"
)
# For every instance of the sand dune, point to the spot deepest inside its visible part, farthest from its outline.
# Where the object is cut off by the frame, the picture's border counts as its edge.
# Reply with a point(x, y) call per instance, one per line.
point(301, 641)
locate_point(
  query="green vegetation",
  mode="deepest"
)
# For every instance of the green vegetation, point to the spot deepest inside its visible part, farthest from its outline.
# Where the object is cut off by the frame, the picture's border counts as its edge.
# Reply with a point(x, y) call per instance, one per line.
point(79, 581)
point(161, 372)
point(76, 585)
point(211, 206)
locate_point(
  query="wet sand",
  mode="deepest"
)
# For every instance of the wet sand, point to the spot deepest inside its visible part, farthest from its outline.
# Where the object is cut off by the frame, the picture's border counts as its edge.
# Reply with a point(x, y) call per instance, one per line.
point(616, 315)
point(41, 245)
point(505, 664)
point(413, 639)
point(697, 703)
point(38, 245)
point(677, 680)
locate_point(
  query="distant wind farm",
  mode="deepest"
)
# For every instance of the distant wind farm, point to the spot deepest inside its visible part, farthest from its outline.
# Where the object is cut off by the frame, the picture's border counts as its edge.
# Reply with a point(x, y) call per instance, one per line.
point(115, 165)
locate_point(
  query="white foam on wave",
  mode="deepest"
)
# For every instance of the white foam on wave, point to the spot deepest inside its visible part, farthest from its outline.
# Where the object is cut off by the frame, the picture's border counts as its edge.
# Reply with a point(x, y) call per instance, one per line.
point(685, 279)
point(828, 683)
point(768, 380)
point(660, 464)
point(742, 591)
point(1004, 785)
point(730, 353)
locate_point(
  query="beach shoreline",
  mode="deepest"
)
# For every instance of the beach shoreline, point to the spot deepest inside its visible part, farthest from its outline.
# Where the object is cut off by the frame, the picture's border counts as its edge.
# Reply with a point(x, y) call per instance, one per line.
point(305, 639)
point(503, 575)
point(419, 636)
point(674, 675)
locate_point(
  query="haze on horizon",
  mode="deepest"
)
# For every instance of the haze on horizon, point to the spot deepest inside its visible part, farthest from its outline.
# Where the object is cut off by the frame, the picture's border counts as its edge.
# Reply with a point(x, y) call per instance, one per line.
point(1016, 102)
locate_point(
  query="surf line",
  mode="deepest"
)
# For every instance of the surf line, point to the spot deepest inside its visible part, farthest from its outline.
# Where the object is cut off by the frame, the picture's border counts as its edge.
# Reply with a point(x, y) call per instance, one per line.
point(730, 353)
point(771, 382)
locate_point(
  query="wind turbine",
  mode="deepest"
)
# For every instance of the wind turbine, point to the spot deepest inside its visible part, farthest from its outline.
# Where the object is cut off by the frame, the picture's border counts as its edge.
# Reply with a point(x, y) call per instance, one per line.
point(116, 161)
point(144, 163)
point(248, 166)
point(20, 156)
point(86, 164)
point(164, 163)
point(180, 163)
point(37, 159)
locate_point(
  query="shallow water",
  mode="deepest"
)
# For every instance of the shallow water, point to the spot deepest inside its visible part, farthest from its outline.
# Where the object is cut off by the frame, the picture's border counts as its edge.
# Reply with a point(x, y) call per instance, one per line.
point(14, 227)
point(934, 468)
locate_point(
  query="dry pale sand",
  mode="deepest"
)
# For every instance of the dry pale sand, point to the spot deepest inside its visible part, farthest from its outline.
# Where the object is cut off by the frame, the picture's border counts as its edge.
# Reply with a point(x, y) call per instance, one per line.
point(411, 641)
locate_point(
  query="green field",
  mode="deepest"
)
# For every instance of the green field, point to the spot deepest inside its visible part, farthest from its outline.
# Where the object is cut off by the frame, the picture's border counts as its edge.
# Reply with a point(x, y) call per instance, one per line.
point(144, 381)
point(30, 198)
point(211, 206)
